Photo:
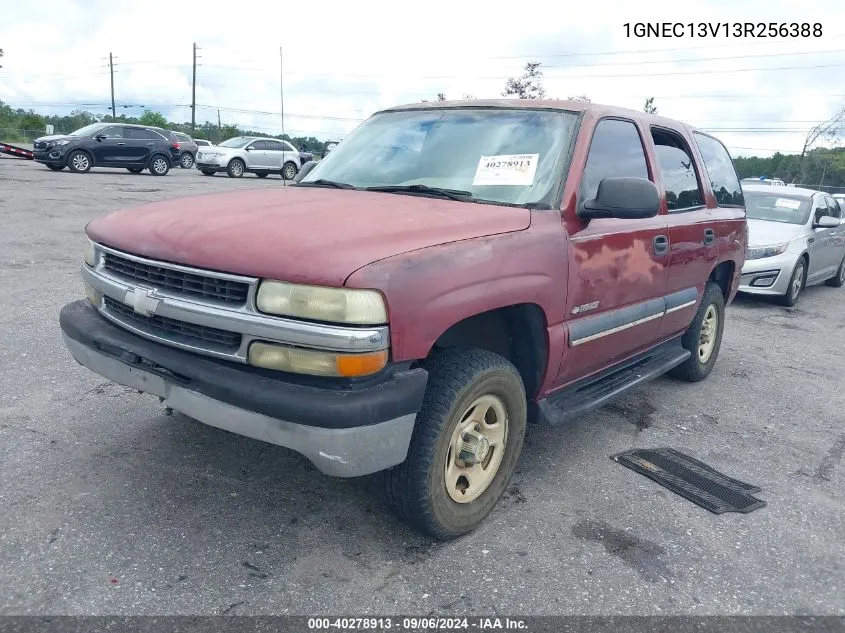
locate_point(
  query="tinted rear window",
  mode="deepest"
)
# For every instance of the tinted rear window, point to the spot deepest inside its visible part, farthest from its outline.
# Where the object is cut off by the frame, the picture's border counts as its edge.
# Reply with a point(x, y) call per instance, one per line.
point(720, 168)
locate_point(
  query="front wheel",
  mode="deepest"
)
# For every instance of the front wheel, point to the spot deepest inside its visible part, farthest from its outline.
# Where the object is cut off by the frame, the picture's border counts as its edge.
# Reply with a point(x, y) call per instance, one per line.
point(236, 168)
point(289, 171)
point(186, 161)
point(79, 162)
point(796, 284)
point(159, 165)
point(465, 445)
point(703, 338)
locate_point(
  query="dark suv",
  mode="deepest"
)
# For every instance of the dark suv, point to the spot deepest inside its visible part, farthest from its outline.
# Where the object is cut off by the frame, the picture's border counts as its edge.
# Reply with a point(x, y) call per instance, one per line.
point(132, 147)
point(187, 149)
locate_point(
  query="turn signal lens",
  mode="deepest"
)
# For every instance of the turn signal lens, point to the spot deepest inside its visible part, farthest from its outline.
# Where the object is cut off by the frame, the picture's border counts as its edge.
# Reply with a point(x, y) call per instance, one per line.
point(90, 254)
point(315, 362)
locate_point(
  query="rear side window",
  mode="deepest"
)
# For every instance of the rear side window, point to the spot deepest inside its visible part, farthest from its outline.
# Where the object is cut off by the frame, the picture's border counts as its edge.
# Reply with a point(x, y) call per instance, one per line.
point(615, 151)
point(677, 170)
point(274, 146)
point(720, 169)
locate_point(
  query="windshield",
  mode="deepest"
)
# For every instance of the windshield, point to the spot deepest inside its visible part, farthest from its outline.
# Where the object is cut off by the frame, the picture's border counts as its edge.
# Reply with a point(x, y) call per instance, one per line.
point(238, 141)
point(776, 208)
point(87, 130)
point(496, 155)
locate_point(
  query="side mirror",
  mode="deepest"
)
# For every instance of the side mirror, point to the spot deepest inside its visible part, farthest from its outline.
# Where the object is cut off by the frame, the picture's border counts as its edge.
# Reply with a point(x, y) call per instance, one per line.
point(305, 170)
point(624, 198)
point(827, 222)
point(100, 137)
point(249, 149)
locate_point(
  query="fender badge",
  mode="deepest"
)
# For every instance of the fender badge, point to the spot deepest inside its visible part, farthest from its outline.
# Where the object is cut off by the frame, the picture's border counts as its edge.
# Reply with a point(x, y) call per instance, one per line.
point(142, 301)
point(586, 307)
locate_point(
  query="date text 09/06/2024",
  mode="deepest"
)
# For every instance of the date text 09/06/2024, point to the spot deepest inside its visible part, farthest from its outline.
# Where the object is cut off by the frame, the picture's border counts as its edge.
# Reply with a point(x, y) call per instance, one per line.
point(722, 29)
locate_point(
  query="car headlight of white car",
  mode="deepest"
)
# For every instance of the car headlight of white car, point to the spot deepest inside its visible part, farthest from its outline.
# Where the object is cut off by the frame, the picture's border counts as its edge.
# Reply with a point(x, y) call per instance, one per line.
point(318, 303)
point(759, 252)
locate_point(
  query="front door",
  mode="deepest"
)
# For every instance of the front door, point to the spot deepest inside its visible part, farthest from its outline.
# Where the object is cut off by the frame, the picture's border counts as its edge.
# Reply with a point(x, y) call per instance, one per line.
point(617, 267)
point(109, 145)
point(256, 154)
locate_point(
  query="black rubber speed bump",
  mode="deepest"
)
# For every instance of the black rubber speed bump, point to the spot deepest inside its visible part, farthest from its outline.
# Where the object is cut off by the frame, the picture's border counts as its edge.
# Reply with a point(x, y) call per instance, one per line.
point(692, 479)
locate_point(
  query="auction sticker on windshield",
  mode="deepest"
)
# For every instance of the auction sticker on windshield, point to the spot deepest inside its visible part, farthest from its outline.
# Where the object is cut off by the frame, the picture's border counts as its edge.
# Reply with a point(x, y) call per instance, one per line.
point(507, 169)
point(786, 203)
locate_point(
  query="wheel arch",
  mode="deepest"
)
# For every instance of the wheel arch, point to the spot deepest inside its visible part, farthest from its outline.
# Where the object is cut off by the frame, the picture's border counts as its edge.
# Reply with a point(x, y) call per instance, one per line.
point(517, 332)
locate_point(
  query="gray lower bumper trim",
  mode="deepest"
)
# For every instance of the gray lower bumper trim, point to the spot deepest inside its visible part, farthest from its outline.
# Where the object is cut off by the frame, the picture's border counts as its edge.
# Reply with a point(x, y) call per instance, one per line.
point(338, 452)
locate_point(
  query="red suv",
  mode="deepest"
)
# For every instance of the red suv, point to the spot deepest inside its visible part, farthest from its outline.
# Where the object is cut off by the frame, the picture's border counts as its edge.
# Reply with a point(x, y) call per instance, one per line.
point(447, 274)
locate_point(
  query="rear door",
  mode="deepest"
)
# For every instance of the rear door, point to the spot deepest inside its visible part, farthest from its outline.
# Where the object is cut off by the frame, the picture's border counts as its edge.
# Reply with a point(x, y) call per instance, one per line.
point(617, 274)
point(138, 145)
point(275, 154)
point(822, 248)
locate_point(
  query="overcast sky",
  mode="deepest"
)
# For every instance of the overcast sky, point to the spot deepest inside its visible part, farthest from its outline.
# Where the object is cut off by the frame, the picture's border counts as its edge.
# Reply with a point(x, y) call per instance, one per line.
point(342, 61)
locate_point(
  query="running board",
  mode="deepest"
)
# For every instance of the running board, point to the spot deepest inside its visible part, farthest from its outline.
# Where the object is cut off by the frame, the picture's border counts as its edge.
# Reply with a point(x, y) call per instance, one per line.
point(596, 391)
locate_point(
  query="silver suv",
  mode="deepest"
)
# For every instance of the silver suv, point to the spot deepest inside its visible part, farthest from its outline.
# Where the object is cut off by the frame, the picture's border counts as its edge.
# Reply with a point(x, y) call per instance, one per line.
point(260, 156)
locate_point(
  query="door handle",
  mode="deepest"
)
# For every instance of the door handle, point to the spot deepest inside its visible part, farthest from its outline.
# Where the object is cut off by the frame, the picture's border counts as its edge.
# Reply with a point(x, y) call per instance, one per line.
point(709, 236)
point(661, 244)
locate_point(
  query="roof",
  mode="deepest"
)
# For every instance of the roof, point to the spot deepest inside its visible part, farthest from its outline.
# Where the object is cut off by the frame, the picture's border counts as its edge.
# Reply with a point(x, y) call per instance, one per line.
point(782, 190)
point(539, 104)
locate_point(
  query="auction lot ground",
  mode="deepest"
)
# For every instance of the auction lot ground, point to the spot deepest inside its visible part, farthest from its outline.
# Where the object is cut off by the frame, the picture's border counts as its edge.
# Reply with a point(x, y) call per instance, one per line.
point(109, 506)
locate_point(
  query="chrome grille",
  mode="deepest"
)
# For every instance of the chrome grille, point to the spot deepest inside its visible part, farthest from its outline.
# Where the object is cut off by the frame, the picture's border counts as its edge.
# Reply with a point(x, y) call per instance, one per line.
point(173, 329)
point(177, 282)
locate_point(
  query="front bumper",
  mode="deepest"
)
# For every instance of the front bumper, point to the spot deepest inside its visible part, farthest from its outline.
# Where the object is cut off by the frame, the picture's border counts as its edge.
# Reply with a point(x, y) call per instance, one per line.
point(50, 156)
point(345, 431)
point(768, 275)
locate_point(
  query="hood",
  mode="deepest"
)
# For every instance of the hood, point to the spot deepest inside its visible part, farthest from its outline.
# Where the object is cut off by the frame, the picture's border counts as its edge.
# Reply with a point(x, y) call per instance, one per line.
point(765, 232)
point(53, 137)
point(298, 234)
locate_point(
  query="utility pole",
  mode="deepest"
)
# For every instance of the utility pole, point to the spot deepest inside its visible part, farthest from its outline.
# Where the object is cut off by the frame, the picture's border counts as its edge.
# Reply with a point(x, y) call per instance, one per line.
point(219, 126)
point(194, 92)
point(111, 72)
point(282, 89)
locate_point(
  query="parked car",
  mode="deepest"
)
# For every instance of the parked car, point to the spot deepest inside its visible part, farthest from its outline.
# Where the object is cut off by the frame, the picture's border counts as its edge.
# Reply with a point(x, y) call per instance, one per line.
point(305, 157)
point(796, 239)
point(241, 154)
point(187, 149)
point(486, 266)
point(118, 145)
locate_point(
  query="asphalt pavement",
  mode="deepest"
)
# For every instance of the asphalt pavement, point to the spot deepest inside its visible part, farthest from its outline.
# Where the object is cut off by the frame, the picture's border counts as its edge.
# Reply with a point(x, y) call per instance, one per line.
point(110, 506)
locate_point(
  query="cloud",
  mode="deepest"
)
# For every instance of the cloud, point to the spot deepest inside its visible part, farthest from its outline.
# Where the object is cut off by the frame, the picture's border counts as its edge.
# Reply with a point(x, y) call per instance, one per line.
point(343, 61)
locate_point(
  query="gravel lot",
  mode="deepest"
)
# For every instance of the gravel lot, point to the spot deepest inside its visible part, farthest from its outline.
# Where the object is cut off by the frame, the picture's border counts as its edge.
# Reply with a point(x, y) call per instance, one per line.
point(113, 507)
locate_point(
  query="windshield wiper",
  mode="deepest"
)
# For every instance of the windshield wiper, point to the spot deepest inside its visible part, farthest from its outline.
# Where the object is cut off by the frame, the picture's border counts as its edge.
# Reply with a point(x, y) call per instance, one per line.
point(451, 194)
point(322, 182)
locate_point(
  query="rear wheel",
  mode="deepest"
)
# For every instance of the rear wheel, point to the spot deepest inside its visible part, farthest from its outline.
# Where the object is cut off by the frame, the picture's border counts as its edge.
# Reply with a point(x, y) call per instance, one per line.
point(159, 165)
point(79, 161)
point(839, 279)
point(703, 338)
point(56, 167)
point(466, 442)
point(289, 171)
point(135, 170)
point(236, 168)
point(796, 284)
point(186, 161)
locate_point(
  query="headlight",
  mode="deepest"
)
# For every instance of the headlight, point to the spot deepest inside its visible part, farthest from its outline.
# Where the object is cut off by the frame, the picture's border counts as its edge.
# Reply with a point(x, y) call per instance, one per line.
point(758, 252)
point(90, 253)
point(335, 305)
point(60, 143)
point(315, 362)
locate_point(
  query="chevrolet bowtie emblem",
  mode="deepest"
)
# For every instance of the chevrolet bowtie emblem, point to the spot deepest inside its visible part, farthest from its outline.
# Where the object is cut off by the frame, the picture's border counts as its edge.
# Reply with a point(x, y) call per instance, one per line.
point(142, 301)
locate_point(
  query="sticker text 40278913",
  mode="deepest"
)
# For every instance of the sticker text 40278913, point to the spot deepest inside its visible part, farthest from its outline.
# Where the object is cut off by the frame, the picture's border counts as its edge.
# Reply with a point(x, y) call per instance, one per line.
point(506, 169)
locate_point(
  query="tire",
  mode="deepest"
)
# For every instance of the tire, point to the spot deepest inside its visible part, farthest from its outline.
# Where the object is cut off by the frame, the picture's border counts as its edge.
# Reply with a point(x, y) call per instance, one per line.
point(418, 490)
point(159, 165)
point(838, 280)
point(289, 171)
point(134, 170)
point(704, 353)
point(206, 172)
point(262, 174)
point(56, 167)
point(79, 161)
point(796, 284)
point(236, 168)
point(186, 161)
